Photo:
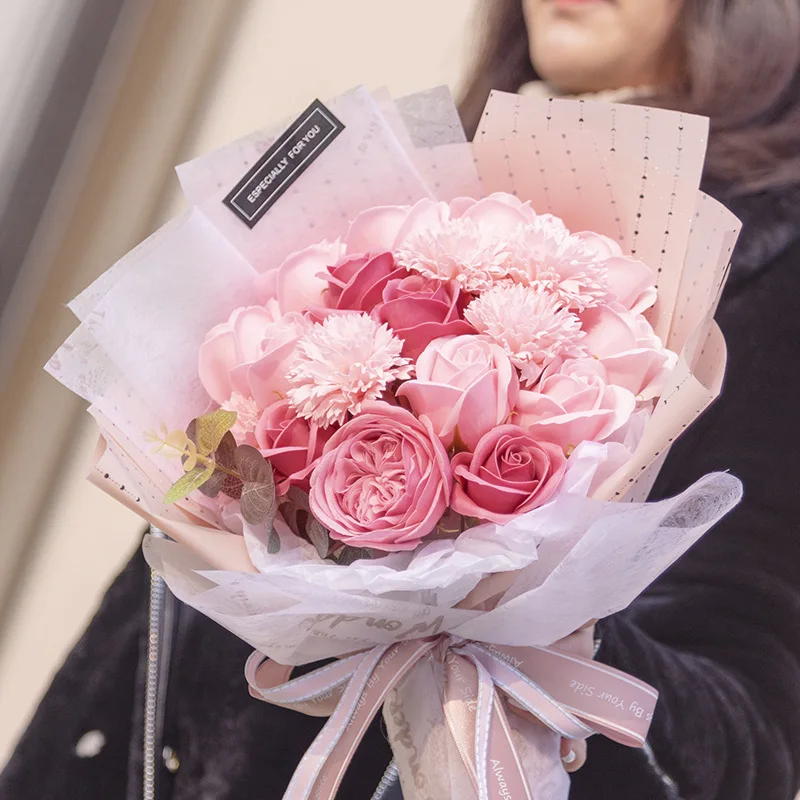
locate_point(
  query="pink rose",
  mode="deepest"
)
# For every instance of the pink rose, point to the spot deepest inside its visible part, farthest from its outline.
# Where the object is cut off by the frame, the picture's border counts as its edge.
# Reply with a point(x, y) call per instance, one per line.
point(630, 282)
point(464, 382)
point(628, 349)
point(573, 404)
point(290, 443)
point(356, 283)
point(245, 360)
point(508, 474)
point(420, 310)
point(383, 480)
point(299, 281)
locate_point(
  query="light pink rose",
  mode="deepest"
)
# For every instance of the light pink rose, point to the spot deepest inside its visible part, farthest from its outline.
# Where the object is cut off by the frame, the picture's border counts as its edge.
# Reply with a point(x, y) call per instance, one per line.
point(629, 350)
point(299, 281)
point(248, 356)
point(631, 283)
point(420, 310)
point(573, 404)
point(383, 480)
point(509, 474)
point(290, 443)
point(357, 282)
point(465, 383)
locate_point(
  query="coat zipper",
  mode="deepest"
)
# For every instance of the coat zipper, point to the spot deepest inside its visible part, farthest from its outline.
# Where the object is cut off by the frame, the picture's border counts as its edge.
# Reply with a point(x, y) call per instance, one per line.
point(161, 621)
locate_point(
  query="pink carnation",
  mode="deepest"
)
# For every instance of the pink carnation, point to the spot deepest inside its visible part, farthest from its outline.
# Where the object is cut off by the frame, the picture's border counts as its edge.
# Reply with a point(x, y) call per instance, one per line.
point(583, 269)
point(532, 326)
point(465, 243)
point(342, 363)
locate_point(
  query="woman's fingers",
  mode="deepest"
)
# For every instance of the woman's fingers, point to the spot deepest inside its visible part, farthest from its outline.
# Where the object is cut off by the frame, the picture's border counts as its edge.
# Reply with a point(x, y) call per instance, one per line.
point(573, 754)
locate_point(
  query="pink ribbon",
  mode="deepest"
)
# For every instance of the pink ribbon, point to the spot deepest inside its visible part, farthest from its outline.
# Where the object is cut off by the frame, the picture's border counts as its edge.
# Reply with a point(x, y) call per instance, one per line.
point(573, 696)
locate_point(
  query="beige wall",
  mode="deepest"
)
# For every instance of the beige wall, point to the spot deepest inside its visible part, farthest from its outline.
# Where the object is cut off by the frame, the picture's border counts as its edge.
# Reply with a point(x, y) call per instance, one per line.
point(280, 56)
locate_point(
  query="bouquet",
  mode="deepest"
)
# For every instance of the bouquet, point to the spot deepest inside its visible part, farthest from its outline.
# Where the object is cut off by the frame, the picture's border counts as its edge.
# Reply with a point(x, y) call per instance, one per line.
point(398, 399)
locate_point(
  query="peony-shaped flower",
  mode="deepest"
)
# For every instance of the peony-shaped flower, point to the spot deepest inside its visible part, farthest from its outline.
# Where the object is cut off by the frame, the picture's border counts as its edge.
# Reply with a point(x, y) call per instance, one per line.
point(465, 385)
point(243, 362)
point(383, 480)
point(574, 403)
point(509, 474)
point(531, 325)
point(420, 310)
point(290, 443)
point(340, 364)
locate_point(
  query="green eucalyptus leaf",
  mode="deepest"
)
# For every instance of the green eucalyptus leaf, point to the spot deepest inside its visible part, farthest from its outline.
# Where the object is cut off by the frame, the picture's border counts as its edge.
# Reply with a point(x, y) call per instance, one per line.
point(210, 430)
point(189, 482)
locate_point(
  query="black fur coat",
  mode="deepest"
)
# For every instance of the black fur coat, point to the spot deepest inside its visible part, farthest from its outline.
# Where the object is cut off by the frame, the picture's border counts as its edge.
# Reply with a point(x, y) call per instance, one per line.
point(718, 634)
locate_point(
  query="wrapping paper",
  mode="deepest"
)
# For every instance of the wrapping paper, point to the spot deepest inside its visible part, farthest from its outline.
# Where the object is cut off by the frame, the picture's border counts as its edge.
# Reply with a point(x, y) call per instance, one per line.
point(628, 172)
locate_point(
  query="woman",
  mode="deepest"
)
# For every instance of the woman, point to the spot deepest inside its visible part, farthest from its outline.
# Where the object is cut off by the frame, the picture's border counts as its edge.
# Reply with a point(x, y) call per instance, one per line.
point(717, 634)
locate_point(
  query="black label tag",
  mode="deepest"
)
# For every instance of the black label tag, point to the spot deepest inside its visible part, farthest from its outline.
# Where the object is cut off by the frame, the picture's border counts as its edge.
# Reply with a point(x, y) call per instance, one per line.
point(283, 163)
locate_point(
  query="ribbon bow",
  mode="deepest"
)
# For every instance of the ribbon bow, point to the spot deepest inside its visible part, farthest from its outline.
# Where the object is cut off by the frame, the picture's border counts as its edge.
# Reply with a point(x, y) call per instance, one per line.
point(573, 696)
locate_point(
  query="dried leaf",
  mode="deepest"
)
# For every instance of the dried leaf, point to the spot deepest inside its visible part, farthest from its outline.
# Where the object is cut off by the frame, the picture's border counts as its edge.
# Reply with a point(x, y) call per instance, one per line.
point(188, 483)
point(258, 491)
point(209, 429)
point(298, 497)
point(273, 542)
point(232, 487)
point(319, 536)
point(221, 481)
point(449, 526)
point(348, 555)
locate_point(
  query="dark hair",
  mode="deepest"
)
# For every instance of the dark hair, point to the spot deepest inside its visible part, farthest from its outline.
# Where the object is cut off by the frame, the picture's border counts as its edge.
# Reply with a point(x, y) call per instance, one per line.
point(742, 69)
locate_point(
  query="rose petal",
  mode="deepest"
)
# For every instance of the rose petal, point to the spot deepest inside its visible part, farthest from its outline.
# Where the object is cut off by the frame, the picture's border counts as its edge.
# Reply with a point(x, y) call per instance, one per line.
point(375, 229)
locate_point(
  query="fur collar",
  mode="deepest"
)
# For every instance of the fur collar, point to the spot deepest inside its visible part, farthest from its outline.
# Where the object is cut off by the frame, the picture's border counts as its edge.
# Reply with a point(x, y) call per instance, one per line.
point(770, 226)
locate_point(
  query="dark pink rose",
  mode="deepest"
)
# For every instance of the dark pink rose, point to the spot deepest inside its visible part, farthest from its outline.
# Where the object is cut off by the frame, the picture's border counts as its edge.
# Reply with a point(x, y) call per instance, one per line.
point(383, 480)
point(420, 309)
point(356, 283)
point(290, 443)
point(508, 474)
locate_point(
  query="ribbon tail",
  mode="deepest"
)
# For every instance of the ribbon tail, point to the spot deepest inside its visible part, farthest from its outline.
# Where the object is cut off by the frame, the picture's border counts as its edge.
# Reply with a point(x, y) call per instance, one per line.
point(322, 768)
point(480, 730)
point(504, 769)
point(531, 697)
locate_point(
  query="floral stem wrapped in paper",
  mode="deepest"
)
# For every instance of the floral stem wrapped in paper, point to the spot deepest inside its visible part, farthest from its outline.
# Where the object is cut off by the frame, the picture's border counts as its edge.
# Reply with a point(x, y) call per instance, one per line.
point(406, 383)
